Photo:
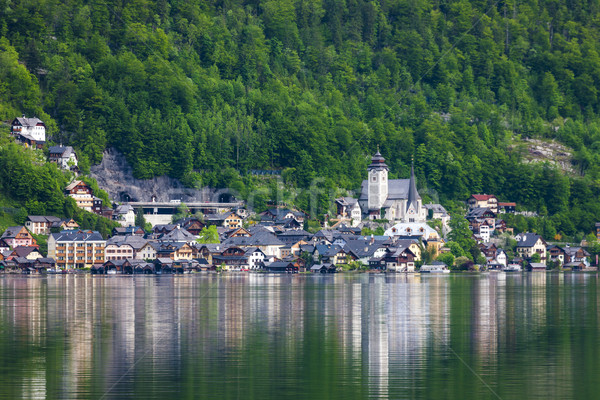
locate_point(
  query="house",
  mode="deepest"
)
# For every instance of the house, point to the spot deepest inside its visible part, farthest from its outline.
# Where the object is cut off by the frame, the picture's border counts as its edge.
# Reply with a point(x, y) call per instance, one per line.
point(128, 231)
point(536, 267)
point(348, 208)
point(68, 224)
point(178, 235)
point(192, 224)
point(64, 156)
point(323, 269)
point(529, 244)
point(482, 221)
point(76, 248)
point(399, 259)
point(293, 236)
point(81, 192)
point(576, 255)
point(148, 251)
point(557, 254)
point(233, 258)
point(281, 267)
point(123, 247)
point(31, 131)
point(282, 214)
point(228, 220)
point(18, 236)
point(365, 248)
point(412, 230)
point(125, 215)
point(484, 201)
point(507, 208)
point(40, 225)
point(174, 250)
point(267, 242)
point(437, 211)
point(393, 199)
point(28, 252)
point(161, 229)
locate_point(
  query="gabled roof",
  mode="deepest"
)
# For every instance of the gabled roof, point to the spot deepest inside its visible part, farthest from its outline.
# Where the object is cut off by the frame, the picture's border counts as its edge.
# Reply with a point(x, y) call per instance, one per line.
point(75, 183)
point(482, 197)
point(528, 240)
point(77, 236)
point(28, 121)
point(178, 235)
point(43, 218)
point(24, 251)
point(257, 239)
point(11, 232)
point(479, 212)
point(62, 151)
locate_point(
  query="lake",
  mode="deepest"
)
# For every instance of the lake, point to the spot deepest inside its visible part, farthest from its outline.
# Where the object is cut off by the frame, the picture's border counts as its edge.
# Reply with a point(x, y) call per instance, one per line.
point(342, 336)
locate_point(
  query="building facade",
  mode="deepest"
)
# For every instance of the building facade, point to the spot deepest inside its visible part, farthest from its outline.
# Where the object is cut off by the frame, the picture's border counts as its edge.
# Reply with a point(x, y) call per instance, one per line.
point(76, 249)
point(396, 200)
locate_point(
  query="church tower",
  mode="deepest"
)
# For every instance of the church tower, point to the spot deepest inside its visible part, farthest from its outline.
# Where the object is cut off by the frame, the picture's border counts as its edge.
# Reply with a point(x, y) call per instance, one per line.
point(378, 182)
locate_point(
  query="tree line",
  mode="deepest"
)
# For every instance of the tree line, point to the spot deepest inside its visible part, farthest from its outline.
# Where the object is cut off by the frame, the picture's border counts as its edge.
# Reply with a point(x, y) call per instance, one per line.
point(191, 89)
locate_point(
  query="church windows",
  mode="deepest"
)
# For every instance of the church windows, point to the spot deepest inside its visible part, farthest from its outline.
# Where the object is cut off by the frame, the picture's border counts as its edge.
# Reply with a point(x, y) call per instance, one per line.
point(374, 179)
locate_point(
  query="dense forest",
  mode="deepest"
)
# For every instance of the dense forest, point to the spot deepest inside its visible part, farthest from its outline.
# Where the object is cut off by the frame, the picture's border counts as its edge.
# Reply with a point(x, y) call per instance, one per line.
point(311, 87)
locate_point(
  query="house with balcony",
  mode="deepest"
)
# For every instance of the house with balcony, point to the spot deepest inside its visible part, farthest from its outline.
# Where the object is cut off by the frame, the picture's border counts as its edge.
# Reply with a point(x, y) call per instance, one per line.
point(76, 248)
point(484, 201)
point(18, 236)
point(529, 244)
point(82, 193)
point(29, 131)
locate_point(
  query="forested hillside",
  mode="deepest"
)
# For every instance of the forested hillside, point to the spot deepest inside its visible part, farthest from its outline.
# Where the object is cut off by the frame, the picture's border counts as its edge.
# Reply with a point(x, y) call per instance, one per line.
point(189, 88)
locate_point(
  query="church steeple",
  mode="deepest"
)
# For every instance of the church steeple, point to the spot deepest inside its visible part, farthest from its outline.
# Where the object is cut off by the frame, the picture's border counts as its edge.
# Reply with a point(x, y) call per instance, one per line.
point(413, 194)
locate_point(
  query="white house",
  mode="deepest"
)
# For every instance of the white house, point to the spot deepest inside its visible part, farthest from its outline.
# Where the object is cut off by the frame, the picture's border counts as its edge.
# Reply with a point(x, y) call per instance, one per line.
point(64, 156)
point(29, 128)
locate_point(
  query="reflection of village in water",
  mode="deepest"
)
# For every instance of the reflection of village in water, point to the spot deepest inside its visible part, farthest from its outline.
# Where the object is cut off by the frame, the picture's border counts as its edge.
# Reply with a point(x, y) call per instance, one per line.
point(385, 330)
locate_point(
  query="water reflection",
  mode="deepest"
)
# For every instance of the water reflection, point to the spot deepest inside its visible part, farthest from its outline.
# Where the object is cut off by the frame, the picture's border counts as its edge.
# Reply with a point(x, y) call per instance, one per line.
point(337, 336)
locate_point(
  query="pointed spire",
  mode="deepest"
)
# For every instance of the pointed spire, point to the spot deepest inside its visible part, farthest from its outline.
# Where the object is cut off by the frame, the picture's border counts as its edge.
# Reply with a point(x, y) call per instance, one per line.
point(413, 195)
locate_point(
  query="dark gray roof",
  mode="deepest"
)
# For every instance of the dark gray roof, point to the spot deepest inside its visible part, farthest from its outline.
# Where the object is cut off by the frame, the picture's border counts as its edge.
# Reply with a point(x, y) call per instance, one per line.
point(528, 240)
point(257, 239)
point(11, 232)
point(77, 236)
point(413, 195)
point(397, 189)
point(478, 212)
point(63, 151)
point(43, 218)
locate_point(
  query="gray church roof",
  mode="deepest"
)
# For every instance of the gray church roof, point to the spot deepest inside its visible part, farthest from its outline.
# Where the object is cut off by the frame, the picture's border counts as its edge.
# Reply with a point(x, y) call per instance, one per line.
point(397, 189)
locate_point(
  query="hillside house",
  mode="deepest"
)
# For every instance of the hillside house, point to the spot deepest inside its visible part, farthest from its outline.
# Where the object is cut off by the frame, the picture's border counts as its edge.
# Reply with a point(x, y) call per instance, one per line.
point(41, 225)
point(81, 192)
point(30, 131)
point(64, 156)
point(484, 201)
point(18, 236)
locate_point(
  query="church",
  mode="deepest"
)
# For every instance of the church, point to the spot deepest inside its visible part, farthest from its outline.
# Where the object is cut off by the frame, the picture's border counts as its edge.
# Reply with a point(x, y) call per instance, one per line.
point(396, 200)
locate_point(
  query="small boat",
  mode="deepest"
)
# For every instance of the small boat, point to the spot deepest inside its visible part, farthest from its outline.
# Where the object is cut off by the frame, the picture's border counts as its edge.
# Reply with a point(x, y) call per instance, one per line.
point(512, 268)
point(434, 269)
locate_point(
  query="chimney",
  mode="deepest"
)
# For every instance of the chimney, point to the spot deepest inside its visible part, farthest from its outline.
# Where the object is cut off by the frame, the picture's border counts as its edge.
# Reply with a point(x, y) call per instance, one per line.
point(372, 239)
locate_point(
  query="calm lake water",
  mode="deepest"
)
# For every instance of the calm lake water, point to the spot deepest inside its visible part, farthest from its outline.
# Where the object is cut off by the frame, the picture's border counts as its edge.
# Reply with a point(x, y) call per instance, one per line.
point(496, 336)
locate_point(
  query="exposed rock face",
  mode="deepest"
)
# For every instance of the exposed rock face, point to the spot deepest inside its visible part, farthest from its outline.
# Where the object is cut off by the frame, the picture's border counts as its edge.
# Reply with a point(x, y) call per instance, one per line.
point(551, 152)
point(115, 176)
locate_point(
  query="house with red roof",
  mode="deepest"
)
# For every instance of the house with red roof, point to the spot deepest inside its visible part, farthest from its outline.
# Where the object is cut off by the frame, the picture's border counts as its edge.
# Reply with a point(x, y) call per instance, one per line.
point(483, 201)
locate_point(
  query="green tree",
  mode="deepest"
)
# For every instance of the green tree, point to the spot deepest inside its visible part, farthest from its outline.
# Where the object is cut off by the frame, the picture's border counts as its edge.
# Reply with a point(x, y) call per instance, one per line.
point(208, 234)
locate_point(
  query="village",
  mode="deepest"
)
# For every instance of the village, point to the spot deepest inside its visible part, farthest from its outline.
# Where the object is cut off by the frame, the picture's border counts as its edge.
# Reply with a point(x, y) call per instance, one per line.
point(387, 228)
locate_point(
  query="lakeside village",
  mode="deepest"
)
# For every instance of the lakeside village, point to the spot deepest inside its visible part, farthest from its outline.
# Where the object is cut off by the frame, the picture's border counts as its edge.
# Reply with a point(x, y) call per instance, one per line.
point(387, 228)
